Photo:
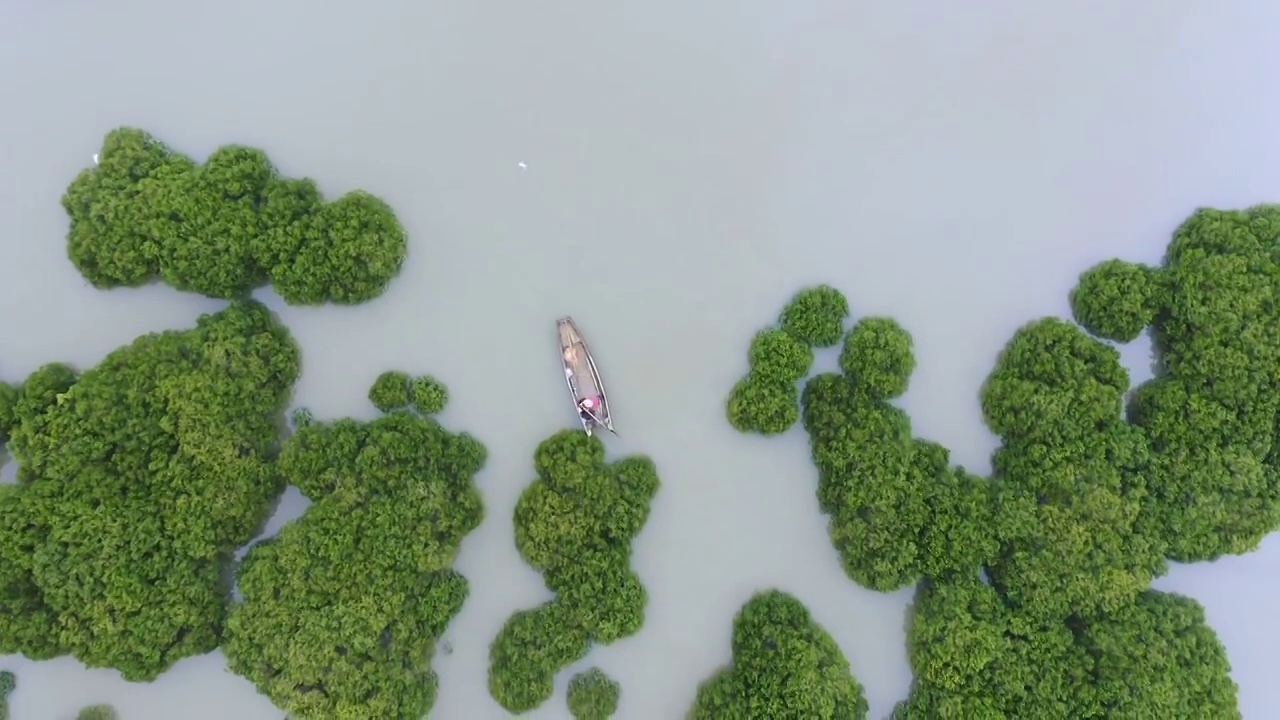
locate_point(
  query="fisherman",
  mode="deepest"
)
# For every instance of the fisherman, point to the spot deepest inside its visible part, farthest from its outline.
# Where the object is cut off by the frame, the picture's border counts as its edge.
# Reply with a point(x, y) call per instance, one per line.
point(588, 406)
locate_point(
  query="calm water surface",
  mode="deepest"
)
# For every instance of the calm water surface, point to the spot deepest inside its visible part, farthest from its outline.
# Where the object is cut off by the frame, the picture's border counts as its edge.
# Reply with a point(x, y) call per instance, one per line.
point(685, 168)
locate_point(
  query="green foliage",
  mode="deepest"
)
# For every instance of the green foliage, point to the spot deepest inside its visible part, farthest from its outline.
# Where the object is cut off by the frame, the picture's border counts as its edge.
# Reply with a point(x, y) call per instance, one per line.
point(898, 510)
point(765, 400)
point(97, 712)
point(301, 417)
point(776, 356)
point(574, 524)
point(225, 227)
point(8, 403)
point(878, 358)
point(785, 667)
point(136, 482)
point(1075, 537)
point(763, 407)
point(430, 396)
point(1210, 418)
point(815, 316)
point(342, 609)
point(7, 685)
point(1116, 299)
point(392, 390)
point(976, 657)
point(593, 695)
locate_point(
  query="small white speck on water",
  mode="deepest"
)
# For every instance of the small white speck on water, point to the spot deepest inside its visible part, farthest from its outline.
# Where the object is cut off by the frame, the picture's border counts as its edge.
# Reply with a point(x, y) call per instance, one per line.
point(95, 158)
point(522, 166)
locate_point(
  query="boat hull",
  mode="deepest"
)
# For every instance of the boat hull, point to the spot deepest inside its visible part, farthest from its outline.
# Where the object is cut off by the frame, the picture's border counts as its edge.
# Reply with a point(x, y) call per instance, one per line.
point(582, 377)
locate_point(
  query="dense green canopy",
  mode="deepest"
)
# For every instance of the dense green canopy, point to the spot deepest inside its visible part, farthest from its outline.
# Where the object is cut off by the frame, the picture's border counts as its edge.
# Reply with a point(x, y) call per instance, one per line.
point(342, 609)
point(7, 685)
point(1211, 416)
point(785, 667)
point(136, 482)
point(225, 227)
point(392, 390)
point(765, 400)
point(877, 355)
point(976, 658)
point(1087, 497)
point(1076, 537)
point(593, 695)
point(1116, 300)
point(815, 316)
point(574, 524)
point(97, 712)
point(898, 509)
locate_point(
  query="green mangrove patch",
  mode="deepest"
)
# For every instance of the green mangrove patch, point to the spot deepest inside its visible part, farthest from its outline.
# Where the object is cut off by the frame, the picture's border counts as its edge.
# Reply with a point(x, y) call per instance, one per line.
point(225, 227)
point(974, 656)
point(1036, 599)
point(766, 399)
point(342, 610)
point(898, 510)
point(574, 524)
point(7, 685)
point(97, 712)
point(137, 480)
point(785, 667)
point(1210, 414)
point(593, 695)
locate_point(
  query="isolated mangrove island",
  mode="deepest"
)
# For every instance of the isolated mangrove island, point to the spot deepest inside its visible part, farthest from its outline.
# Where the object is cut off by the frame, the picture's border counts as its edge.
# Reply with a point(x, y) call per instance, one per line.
point(574, 524)
point(1033, 585)
point(225, 227)
point(141, 479)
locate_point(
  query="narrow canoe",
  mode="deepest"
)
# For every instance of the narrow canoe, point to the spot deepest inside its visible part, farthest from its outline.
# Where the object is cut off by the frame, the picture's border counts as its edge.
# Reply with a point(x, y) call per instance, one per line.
point(583, 378)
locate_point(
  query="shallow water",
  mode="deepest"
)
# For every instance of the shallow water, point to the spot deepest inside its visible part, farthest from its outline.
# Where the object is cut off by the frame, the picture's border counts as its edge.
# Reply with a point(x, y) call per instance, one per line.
point(684, 171)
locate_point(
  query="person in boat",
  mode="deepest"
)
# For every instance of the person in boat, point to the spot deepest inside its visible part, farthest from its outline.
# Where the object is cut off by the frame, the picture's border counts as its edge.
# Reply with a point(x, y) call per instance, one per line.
point(587, 407)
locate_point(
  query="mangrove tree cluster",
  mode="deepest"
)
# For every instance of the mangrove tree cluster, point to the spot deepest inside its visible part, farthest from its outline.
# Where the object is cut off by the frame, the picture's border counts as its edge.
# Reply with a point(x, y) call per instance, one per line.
point(785, 667)
point(342, 609)
point(765, 400)
point(97, 712)
point(1036, 599)
point(1210, 414)
point(395, 390)
point(137, 480)
point(574, 524)
point(225, 227)
point(7, 685)
point(593, 695)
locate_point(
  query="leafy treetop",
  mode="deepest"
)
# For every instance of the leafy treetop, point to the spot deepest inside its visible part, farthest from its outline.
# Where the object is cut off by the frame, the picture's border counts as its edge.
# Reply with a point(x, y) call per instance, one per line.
point(878, 358)
point(395, 390)
point(225, 227)
point(8, 399)
point(392, 390)
point(1076, 538)
point(815, 316)
point(1210, 416)
point(7, 684)
point(898, 510)
point(136, 482)
point(574, 524)
point(1116, 300)
point(976, 657)
point(593, 695)
point(342, 609)
point(785, 667)
point(97, 712)
point(430, 396)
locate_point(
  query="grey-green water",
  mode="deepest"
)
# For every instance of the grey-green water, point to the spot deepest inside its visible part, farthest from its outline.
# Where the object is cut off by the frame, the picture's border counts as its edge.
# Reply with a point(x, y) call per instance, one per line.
point(685, 168)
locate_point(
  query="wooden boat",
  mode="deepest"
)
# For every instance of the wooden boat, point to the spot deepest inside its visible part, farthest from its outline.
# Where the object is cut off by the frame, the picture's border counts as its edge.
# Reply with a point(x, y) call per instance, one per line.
point(586, 389)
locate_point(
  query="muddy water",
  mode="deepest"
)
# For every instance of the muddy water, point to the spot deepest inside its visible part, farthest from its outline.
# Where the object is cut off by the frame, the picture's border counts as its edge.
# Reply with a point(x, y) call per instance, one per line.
point(668, 174)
